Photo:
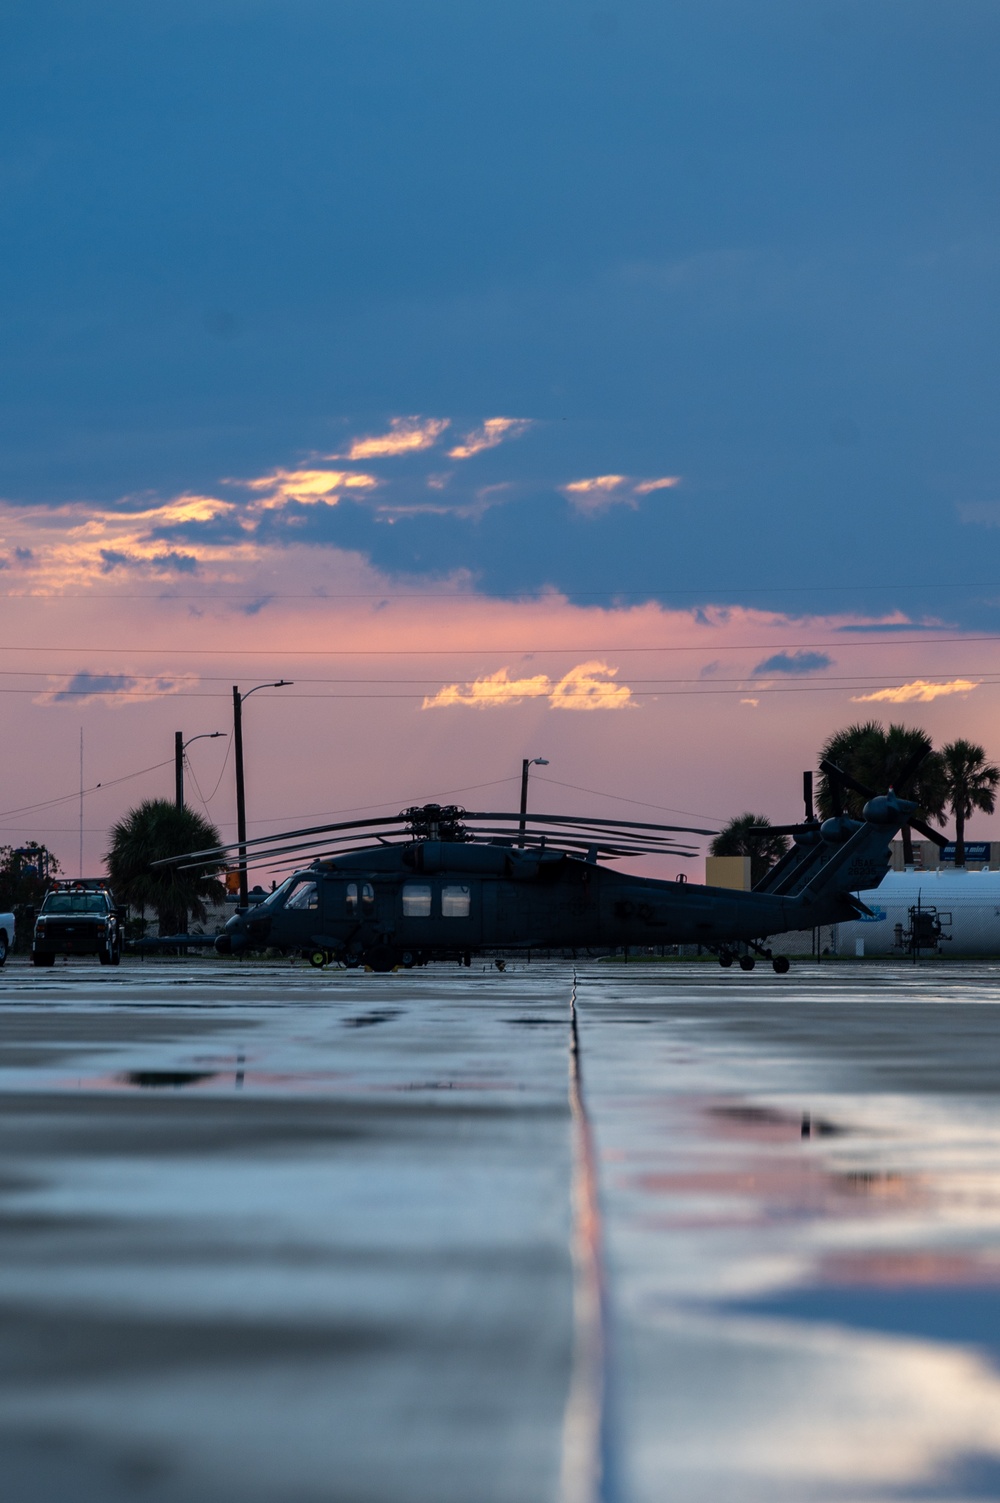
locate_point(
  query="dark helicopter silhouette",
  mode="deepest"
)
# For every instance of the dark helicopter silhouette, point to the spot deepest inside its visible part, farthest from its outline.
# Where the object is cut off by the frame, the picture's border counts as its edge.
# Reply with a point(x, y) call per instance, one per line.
point(437, 883)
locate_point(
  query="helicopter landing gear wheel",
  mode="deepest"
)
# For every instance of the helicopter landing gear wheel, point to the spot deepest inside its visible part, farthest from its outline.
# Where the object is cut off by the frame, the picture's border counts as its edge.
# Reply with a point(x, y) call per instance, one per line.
point(747, 962)
point(725, 960)
point(319, 958)
point(781, 964)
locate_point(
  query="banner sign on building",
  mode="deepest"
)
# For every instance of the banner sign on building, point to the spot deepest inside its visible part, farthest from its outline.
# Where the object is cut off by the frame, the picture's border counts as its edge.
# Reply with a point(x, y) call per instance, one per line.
point(975, 850)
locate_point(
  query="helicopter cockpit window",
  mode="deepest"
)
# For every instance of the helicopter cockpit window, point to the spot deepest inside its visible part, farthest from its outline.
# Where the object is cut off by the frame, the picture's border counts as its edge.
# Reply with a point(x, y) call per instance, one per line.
point(304, 897)
point(456, 901)
point(276, 898)
point(416, 899)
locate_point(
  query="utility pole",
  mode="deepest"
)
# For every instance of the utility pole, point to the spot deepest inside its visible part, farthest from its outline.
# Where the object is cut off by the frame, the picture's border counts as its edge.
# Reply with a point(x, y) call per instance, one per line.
point(241, 801)
point(180, 747)
point(525, 764)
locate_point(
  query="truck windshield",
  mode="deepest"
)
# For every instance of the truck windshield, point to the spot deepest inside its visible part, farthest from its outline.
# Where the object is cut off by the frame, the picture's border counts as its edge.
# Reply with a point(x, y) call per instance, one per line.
point(75, 902)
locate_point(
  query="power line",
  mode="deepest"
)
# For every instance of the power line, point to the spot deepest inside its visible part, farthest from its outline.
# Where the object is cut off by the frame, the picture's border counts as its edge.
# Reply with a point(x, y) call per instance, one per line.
point(208, 678)
point(65, 798)
point(653, 593)
point(748, 687)
point(864, 639)
point(643, 803)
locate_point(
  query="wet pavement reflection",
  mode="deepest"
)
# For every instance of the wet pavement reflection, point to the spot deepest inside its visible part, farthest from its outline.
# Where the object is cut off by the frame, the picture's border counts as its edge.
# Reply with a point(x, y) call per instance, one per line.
point(273, 1233)
point(803, 1245)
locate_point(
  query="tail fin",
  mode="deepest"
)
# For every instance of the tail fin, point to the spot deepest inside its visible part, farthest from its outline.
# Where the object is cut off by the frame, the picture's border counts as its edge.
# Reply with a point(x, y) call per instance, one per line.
point(842, 856)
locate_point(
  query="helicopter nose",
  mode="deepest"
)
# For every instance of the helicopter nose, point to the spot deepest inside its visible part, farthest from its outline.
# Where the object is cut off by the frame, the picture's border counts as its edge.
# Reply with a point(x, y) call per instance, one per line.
point(233, 937)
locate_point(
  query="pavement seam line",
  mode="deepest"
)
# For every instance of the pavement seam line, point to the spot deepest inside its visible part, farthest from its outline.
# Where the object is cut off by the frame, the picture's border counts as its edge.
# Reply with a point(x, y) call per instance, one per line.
point(587, 1474)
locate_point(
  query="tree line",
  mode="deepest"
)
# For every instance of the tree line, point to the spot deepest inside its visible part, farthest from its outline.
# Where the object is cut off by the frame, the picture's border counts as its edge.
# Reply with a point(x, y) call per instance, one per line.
point(954, 782)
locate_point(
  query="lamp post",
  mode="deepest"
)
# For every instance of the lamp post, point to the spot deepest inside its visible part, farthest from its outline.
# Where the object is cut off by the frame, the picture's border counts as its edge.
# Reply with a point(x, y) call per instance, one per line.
point(180, 746)
point(241, 805)
point(525, 764)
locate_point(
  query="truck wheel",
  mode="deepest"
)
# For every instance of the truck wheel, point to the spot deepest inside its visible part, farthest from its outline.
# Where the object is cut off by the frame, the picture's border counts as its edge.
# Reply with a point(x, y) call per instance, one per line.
point(319, 959)
point(41, 958)
point(3, 948)
point(104, 955)
point(116, 957)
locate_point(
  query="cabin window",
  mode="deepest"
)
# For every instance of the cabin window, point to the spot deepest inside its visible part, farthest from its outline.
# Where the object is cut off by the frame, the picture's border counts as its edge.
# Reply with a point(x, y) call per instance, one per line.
point(367, 899)
point(456, 900)
point(352, 899)
point(304, 897)
point(416, 900)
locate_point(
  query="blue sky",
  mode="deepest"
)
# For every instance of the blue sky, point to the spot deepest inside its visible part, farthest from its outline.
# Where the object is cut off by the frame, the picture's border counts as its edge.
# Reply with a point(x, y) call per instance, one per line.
point(752, 245)
point(649, 348)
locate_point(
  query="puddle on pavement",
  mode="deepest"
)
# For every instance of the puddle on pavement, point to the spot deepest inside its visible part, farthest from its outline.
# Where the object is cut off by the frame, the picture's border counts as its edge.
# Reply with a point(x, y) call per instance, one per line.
point(165, 1079)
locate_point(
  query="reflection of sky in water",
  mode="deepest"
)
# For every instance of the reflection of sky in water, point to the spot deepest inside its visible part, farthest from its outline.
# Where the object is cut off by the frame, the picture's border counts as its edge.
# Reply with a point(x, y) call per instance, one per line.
point(807, 1276)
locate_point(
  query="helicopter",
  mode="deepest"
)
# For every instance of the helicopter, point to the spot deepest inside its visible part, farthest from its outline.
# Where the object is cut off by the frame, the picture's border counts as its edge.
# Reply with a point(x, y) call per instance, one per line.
point(440, 883)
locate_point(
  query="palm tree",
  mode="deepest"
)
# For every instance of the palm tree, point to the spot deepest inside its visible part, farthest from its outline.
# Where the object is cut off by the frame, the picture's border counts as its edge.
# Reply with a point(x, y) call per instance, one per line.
point(877, 757)
point(157, 829)
point(748, 835)
point(970, 783)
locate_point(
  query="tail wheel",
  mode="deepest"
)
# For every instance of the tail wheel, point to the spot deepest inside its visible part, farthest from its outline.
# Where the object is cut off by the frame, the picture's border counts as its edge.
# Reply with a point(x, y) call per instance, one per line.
point(382, 960)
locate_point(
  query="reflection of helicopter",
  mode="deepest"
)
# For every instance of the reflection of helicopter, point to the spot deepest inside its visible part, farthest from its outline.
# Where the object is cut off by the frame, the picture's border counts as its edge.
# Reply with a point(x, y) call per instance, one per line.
point(438, 883)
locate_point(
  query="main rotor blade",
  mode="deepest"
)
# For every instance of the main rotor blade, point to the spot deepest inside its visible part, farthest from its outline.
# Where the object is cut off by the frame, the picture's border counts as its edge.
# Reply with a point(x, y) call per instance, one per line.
point(235, 845)
point(908, 769)
point(547, 831)
point(834, 772)
point(939, 840)
point(384, 822)
point(586, 819)
point(803, 828)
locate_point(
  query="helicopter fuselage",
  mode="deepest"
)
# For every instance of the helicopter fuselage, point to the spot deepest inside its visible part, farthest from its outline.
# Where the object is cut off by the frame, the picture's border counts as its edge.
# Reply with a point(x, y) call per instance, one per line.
point(437, 900)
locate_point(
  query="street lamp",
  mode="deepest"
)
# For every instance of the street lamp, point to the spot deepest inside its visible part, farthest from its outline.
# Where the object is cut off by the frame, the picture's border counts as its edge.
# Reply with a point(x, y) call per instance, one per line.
point(526, 763)
point(180, 746)
point(241, 805)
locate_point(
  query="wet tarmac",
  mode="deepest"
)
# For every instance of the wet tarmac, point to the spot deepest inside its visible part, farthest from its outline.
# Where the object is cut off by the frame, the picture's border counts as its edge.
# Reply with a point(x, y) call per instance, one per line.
point(660, 1232)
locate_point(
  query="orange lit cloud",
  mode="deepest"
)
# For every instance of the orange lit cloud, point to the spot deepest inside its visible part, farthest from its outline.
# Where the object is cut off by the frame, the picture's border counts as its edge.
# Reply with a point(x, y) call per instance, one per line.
point(585, 687)
point(491, 690)
point(665, 483)
point(601, 491)
point(407, 435)
point(919, 691)
point(308, 486)
point(492, 433)
point(588, 687)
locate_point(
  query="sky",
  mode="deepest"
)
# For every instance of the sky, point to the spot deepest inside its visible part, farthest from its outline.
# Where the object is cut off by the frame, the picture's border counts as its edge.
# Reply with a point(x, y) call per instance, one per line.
point(615, 384)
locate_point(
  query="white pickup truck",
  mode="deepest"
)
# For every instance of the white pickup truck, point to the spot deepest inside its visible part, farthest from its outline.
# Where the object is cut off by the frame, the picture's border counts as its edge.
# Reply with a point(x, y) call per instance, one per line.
point(6, 935)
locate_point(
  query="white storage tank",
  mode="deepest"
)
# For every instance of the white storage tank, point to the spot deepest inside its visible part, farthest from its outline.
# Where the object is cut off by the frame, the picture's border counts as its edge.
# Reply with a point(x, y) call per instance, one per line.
point(963, 905)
